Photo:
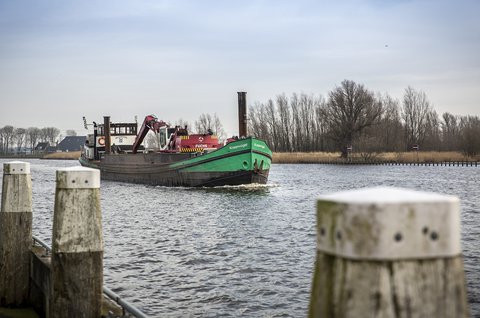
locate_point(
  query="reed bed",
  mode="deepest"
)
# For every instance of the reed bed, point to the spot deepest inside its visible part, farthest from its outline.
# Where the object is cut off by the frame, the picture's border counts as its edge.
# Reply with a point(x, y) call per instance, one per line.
point(400, 157)
point(72, 155)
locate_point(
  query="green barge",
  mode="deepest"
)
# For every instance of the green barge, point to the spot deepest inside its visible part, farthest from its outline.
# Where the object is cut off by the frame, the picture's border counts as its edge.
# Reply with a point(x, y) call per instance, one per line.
point(183, 159)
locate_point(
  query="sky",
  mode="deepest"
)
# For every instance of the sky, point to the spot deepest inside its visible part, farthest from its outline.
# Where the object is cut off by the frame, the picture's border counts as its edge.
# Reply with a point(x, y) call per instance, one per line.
point(62, 60)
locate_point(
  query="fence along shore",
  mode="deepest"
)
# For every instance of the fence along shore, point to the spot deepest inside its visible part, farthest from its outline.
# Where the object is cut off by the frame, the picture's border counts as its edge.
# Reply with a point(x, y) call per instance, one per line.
point(381, 252)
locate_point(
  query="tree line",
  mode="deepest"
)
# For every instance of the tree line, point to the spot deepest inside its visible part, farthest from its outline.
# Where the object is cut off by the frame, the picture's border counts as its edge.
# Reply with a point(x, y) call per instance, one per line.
point(17, 139)
point(353, 118)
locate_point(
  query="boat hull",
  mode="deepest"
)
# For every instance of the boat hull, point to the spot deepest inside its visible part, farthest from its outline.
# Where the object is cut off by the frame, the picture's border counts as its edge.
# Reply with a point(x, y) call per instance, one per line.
point(244, 161)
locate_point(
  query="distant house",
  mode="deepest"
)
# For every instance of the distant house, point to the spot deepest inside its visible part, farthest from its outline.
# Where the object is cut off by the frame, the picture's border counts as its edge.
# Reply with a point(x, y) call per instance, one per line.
point(41, 147)
point(71, 143)
point(51, 149)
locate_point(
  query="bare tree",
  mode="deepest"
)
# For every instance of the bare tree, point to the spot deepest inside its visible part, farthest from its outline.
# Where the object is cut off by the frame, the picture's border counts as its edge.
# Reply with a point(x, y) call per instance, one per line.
point(203, 124)
point(319, 142)
point(285, 122)
point(271, 121)
point(415, 112)
point(218, 127)
point(350, 109)
point(20, 136)
point(353, 114)
point(450, 131)
point(50, 134)
point(432, 131)
point(7, 136)
point(470, 130)
point(258, 123)
point(207, 123)
point(71, 132)
point(390, 126)
point(33, 134)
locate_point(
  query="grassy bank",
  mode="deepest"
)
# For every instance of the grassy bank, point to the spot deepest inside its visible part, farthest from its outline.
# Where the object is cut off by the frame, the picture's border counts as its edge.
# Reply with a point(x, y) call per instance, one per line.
point(401, 157)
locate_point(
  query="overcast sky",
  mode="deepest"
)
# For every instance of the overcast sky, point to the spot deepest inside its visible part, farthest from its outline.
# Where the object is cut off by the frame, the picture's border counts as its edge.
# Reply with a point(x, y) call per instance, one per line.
point(61, 60)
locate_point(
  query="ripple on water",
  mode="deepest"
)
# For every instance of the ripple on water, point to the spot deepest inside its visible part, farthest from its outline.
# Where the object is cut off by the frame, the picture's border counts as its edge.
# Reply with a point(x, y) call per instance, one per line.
point(244, 251)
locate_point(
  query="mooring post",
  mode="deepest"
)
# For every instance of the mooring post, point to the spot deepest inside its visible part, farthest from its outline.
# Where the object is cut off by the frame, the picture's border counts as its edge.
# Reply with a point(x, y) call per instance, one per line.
point(386, 252)
point(77, 245)
point(15, 233)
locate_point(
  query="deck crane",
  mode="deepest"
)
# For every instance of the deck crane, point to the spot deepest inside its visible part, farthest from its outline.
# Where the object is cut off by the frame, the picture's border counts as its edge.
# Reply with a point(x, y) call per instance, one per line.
point(177, 139)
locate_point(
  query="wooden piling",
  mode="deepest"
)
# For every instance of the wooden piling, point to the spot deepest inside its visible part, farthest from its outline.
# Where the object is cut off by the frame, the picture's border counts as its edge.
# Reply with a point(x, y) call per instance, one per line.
point(386, 252)
point(15, 233)
point(77, 245)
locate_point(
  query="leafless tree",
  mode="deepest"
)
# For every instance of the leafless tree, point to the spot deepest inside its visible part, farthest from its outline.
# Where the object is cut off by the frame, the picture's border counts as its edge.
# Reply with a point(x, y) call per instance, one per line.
point(49, 134)
point(390, 125)
point(273, 124)
point(469, 136)
point(20, 136)
point(258, 123)
point(284, 115)
point(353, 114)
point(319, 142)
point(33, 136)
point(450, 131)
point(349, 110)
point(71, 132)
point(415, 112)
point(7, 135)
point(207, 122)
point(203, 124)
point(432, 131)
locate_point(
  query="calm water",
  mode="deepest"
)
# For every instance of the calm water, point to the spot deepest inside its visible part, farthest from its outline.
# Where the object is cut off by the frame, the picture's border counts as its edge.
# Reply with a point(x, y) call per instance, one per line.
point(245, 251)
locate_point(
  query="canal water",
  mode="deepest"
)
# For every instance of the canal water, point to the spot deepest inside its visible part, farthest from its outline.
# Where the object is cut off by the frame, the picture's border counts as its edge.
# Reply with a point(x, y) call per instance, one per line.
point(239, 251)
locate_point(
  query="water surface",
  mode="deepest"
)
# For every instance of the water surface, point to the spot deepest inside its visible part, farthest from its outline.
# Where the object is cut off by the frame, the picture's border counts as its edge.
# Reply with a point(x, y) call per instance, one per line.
point(239, 251)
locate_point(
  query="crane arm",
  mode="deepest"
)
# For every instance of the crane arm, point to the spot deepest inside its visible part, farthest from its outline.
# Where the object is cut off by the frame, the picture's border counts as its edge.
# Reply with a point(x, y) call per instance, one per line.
point(150, 122)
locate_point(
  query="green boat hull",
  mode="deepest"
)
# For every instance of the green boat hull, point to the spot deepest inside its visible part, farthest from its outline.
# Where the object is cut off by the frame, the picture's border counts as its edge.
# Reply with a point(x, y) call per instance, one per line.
point(243, 161)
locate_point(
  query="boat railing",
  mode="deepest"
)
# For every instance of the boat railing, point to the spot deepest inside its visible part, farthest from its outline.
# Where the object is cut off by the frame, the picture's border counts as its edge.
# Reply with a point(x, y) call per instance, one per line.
point(128, 309)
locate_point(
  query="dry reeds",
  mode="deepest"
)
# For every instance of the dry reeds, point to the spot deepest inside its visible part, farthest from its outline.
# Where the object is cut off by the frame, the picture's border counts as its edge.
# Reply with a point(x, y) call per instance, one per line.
point(400, 157)
point(73, 155)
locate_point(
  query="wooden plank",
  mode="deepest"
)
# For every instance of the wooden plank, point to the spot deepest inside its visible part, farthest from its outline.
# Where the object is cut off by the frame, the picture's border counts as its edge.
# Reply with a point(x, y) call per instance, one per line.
point(15, 233)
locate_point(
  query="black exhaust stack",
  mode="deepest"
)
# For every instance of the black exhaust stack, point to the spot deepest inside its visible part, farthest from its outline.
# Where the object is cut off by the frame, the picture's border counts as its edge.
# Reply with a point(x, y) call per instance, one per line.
point(242, 114)
point(106, 131)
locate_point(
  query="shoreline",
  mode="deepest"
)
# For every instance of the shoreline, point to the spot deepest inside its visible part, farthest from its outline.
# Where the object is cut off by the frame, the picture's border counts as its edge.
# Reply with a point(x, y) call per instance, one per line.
point(424, 157)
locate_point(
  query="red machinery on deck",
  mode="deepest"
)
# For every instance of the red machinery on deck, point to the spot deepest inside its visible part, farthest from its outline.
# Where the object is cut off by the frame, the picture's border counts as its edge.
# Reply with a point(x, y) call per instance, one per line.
point(175, 139)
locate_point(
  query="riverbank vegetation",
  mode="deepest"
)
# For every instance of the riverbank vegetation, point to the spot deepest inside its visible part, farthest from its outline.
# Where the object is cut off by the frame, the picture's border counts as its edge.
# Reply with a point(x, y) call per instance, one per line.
point(72, 155)
point(353, 120)
point(400, 157)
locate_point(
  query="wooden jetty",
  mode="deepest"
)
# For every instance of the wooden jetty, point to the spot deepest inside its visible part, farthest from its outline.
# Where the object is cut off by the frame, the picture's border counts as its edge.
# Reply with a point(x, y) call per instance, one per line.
point(68, 281)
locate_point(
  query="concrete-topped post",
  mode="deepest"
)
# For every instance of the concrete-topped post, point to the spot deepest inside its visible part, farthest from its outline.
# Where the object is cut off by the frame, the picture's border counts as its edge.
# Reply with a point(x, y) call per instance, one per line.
point(77, 244)
point(387, 252)
point(15, 233)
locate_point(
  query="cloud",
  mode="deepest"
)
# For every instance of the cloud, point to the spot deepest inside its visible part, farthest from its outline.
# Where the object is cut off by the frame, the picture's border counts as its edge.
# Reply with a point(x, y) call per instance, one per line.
point(189, 57)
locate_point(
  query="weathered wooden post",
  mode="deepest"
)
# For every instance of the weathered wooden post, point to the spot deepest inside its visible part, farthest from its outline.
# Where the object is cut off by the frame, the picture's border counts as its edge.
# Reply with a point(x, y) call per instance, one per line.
point(385, 252)
point(77, 245)
point(15, 233)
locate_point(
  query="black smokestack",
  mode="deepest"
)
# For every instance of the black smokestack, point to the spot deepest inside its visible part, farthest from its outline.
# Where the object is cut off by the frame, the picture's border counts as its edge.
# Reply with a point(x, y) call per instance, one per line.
point(106, 129)
point(242, 114)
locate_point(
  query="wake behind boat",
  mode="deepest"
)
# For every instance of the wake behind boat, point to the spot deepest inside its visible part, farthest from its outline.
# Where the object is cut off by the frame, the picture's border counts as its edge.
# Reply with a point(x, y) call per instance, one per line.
point(189, 160)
